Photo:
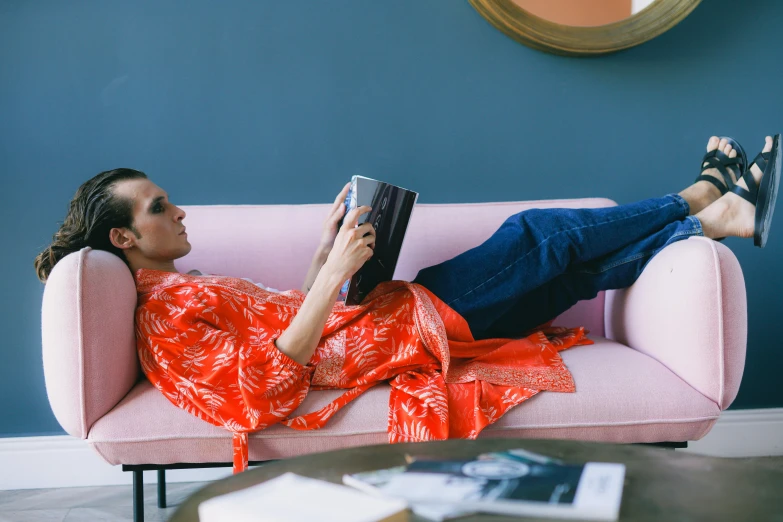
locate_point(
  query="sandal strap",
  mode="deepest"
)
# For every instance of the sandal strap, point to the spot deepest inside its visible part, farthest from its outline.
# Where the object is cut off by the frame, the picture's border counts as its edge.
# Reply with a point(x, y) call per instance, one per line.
point(760, 160)
point(714, 181)
point(749, 195)
point(729, 168)
point(741, 159)
point(714, 162)
point(736, 160)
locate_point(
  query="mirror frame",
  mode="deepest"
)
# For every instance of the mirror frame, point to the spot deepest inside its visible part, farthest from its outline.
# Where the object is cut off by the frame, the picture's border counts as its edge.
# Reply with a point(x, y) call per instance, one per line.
point(535, 32)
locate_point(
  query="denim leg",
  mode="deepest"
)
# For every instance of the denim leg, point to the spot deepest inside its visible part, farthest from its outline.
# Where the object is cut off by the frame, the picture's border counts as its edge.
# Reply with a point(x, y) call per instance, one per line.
point(618, 269)
point(534, 246)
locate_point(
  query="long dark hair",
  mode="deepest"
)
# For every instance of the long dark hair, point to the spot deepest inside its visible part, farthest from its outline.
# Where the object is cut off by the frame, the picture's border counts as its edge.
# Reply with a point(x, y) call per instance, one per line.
point(92, 213)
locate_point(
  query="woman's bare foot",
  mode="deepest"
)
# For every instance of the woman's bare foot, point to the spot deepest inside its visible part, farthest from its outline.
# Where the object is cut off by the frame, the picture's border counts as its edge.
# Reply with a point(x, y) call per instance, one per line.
point(732, 215)
point(703, 193)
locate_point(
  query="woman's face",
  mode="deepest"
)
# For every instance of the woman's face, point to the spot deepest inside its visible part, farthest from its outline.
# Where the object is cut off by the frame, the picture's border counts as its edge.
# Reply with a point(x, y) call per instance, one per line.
point(159, 223)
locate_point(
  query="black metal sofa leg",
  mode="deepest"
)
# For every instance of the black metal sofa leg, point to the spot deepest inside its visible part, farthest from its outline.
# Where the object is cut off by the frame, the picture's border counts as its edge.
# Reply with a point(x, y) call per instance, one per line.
point(138, 480)
point(161, 488)
point(138, 496)
point(665, 445)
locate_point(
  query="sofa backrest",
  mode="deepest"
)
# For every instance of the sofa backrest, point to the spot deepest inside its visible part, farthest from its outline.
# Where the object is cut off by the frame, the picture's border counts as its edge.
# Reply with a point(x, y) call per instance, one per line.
point(274, 244)
point(89, 350)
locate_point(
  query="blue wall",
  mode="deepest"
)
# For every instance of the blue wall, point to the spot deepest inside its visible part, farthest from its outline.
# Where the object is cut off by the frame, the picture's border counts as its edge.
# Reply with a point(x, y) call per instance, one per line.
point(280, 102)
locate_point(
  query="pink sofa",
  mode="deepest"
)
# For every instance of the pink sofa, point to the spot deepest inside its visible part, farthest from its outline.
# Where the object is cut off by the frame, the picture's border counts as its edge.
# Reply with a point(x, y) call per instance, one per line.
point(668, 358)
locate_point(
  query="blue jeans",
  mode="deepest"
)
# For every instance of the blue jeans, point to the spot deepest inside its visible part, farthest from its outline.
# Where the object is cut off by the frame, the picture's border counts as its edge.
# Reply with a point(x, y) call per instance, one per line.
point(540, 262)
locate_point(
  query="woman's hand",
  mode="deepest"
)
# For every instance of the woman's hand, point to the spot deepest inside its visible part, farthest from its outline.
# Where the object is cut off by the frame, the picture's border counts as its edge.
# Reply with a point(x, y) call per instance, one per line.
point(351, 248)
point(335, 213)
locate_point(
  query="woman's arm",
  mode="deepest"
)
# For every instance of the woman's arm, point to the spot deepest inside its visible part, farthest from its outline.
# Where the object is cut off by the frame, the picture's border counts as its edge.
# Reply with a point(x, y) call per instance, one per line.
point(315, 266)
point(353, 246)
point(301, 338)
point(330, 231)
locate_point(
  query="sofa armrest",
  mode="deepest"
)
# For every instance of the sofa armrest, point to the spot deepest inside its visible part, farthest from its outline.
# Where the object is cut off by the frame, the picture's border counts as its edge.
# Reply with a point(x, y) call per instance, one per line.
point(688, 310)
point(88, 337)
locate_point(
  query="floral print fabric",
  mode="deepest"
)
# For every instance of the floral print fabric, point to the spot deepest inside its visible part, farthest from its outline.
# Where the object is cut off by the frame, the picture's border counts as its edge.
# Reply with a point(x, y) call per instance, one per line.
point(208, 344)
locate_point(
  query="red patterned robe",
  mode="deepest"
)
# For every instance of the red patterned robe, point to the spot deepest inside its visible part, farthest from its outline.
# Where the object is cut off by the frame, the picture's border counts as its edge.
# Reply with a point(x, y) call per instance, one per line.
point(208, 343)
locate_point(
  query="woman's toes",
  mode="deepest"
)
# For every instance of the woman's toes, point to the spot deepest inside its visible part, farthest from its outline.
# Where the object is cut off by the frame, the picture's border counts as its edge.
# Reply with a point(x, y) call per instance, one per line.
point(735, 172)
point(722, 145)
point(712, 144)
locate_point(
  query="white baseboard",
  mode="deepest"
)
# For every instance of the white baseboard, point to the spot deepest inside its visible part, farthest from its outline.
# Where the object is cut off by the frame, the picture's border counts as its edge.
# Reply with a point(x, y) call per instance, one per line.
point(64, 461)
point(743, 433)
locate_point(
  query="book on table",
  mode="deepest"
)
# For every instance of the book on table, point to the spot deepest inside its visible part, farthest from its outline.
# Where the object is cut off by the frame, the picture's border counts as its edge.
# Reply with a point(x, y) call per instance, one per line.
point(512, 482)
point(392, 207)
point(294, 498)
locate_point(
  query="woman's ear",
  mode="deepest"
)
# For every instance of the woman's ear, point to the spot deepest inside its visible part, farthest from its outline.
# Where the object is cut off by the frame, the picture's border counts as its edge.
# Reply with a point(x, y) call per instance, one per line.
point(122, 238)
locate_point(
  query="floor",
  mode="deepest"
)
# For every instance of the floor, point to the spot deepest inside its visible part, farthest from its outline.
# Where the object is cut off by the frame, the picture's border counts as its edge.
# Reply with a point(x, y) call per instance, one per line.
point(94, 504)
point(114, 503)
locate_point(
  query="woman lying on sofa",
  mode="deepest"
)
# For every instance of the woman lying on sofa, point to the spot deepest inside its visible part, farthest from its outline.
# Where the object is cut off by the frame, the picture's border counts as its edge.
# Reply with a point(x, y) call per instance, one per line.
point(462, 343)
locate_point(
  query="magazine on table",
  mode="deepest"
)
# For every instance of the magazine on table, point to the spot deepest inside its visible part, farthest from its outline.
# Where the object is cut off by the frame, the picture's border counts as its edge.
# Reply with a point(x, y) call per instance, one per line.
point(392, 207)
point(512, 482)
point(372, 482)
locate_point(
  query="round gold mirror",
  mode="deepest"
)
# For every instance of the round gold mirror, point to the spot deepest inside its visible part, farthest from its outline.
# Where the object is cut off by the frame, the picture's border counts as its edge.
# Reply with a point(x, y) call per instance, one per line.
point(583, 27)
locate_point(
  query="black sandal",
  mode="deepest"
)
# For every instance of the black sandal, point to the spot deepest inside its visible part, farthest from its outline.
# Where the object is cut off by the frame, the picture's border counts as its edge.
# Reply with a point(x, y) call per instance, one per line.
point(763, 195)
point(716, 159)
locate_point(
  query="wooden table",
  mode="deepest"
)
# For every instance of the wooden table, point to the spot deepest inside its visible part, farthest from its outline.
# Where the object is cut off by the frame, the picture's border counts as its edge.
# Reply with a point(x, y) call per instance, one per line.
point(660, 484)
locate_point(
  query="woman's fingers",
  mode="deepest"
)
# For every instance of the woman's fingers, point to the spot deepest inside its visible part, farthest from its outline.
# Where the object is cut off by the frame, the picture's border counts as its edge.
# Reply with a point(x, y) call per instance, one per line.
point(338, 207)
point(366, 233)
point(337, 213)
point(352, 219)
point(341, 196)
point(364, 230)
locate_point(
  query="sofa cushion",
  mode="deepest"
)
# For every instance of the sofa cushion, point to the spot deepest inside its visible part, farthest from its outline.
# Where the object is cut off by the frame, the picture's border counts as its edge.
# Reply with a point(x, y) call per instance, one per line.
point(622, 396)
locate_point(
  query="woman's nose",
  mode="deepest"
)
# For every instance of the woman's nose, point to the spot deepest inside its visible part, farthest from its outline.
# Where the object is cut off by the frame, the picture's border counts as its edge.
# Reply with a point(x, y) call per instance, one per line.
point(180, 214)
